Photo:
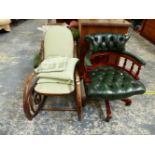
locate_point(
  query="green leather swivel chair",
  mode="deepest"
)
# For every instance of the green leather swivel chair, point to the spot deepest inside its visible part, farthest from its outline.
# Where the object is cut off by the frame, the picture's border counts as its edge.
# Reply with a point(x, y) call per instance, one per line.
point(111, 72)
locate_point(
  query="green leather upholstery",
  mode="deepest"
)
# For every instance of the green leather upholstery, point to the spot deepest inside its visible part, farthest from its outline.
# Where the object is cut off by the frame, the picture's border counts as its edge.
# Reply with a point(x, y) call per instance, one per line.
point(111, 72)
point(107, 41)
point(111, 83)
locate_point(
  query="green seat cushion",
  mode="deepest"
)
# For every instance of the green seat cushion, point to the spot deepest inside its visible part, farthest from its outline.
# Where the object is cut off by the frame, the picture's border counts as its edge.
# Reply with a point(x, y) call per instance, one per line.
point(75, 33)
point(47, 86)
point(36, 60)
point(111, 83)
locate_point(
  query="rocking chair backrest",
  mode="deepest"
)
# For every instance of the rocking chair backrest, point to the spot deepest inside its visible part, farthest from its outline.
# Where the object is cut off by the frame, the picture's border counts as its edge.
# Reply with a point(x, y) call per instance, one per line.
point(58, 42)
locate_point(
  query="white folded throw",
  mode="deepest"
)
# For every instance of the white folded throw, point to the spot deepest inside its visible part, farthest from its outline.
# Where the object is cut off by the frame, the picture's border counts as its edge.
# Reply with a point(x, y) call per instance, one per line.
point(53, 64)
point(65, 77)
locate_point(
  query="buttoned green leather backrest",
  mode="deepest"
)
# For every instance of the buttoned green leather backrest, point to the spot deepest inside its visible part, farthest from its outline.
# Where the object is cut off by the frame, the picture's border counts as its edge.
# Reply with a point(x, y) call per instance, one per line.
point(58, 42)
point(108, 42)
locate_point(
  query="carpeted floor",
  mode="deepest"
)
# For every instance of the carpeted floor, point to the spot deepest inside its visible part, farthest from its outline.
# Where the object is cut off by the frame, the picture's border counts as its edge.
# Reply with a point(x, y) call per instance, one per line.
point(17, 49)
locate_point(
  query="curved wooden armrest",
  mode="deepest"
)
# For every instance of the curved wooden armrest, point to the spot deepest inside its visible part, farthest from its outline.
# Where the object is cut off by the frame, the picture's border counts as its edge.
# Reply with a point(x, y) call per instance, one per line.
point(131, 64)
point(137, 58)
point(123, 61)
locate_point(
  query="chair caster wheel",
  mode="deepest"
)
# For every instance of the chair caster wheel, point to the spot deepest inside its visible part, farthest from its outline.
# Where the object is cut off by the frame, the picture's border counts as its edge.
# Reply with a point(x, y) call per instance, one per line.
point(128, 104)
point(107, 119)
point(127, 101)
point(83, 104)
point(83, 101)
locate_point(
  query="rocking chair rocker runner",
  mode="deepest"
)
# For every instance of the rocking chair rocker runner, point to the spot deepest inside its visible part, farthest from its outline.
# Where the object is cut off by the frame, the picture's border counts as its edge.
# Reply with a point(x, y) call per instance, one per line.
point(57, 74)
point(111, 72)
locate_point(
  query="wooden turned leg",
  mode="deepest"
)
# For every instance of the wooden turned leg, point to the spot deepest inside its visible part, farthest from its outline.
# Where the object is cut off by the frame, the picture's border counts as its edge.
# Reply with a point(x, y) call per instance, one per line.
point(84, 101)
point(108, 111)
point(79, 109)
point(127, 101)
point(78, 97)
point(83, 94)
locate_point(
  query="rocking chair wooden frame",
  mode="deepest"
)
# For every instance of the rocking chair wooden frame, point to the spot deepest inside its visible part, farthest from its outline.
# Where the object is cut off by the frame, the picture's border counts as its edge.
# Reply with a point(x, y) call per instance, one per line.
point(33, 102)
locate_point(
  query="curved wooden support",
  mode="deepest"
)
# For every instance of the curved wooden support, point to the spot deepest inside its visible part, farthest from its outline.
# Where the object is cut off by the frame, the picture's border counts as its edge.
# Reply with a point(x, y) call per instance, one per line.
point(32, 101)
point(84, 98)
point(78, 95)
point(105, 59)
point(127, 101)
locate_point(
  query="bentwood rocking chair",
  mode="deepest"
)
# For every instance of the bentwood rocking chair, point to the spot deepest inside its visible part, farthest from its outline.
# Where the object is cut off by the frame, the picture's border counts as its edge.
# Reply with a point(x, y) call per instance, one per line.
point(111, 72)
point(57, 74)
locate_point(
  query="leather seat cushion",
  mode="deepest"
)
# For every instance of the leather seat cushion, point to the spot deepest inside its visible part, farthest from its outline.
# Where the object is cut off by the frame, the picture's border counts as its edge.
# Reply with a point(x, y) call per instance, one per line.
point(112, 83)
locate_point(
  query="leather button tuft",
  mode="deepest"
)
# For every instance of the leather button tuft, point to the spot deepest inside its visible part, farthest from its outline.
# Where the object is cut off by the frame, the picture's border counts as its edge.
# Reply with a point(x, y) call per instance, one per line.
point(107, 41)
point(112, 83)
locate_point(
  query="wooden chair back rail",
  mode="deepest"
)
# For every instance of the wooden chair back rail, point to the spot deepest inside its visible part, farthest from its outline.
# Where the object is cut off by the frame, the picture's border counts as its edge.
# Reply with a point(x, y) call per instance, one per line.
point(126, 63)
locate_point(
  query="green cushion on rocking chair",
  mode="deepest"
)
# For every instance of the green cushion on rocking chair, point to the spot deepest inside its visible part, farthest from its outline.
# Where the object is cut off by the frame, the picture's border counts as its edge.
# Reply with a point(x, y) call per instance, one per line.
point(36, 60)
point(112, 83)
